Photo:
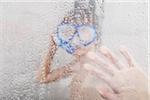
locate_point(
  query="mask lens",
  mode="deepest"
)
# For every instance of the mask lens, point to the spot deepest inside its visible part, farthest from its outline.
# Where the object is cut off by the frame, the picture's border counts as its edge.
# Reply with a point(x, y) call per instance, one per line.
point(87, 34)
point(66, 31)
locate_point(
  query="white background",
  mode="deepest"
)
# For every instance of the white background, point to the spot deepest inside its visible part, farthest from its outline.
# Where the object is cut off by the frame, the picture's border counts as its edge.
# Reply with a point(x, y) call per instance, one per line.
point(25, 30)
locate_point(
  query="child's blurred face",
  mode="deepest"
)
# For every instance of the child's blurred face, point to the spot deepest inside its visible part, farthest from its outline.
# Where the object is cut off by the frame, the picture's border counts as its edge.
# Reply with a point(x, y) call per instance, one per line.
point(76, 39)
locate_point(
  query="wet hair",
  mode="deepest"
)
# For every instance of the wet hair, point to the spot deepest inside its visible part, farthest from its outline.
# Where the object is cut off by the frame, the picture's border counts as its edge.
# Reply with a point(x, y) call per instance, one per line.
point(84, 15)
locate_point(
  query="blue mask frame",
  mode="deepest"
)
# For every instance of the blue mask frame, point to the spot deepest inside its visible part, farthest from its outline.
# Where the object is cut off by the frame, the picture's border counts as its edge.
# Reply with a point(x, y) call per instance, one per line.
point(66, 43)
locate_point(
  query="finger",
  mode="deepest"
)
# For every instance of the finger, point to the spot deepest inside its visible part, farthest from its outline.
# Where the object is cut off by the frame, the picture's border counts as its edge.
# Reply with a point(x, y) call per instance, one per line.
point(111, 57)
point(106, 69)
point(106, 94)
point(127, 56)
point(101, 75)
point(81, 52)
point(95, 71)
point(112, 85)
point(98, 66)
point(100, 63)
point(94, 56)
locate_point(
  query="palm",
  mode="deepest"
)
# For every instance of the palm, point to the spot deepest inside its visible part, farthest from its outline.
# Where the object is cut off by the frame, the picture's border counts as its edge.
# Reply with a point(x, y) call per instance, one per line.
point(125, 80)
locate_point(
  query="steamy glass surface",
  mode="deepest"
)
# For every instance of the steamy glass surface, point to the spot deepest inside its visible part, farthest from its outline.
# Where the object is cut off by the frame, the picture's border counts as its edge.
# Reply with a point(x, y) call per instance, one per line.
point(26, 28)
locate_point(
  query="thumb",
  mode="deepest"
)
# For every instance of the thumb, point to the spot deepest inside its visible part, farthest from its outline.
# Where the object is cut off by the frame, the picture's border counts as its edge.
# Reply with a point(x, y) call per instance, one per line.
point(106, 94)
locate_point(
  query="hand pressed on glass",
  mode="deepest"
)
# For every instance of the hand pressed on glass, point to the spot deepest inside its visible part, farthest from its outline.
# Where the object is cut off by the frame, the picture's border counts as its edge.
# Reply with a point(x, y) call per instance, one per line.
point(127, 81)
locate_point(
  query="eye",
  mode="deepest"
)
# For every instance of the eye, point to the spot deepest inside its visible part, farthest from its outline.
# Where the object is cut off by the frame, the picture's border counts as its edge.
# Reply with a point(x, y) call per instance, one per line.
point(87, 34)
point(66, 31)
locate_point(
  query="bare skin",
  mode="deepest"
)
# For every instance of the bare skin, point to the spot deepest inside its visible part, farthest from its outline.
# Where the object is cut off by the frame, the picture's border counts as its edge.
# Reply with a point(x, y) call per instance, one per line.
point(121, 78)
point(45, 74)
point(126, 80)
point(64, 71)
point(74, 68)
